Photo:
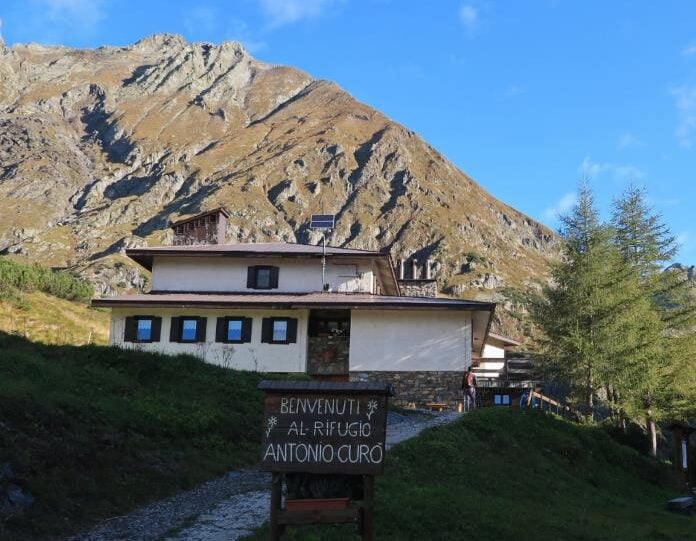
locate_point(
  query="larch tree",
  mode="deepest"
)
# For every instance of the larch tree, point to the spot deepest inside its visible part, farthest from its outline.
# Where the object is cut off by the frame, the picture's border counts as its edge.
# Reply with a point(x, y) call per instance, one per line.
point(579, 312)
point(661, 355)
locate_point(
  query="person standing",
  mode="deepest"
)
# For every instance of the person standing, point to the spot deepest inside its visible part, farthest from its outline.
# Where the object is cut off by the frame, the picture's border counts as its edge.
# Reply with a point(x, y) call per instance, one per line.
point(469, 388)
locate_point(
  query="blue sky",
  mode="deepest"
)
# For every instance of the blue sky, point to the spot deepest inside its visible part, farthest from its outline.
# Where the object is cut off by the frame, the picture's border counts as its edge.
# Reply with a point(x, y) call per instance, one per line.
point(526, 97)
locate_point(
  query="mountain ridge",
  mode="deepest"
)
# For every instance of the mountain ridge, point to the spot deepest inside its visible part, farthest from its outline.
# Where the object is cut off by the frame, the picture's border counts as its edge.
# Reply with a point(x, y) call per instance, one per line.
point(100, 149)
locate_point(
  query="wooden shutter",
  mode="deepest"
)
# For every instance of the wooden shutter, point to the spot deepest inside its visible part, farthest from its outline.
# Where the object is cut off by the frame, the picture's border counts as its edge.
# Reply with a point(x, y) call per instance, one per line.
point(156, 329)
point(273, 282)
point(221, 330)
point(292, 331)
point(251, 277)
point(175, 329)
point(130, 330)
point(267, 330)
point(246, 329)
point(200, 329)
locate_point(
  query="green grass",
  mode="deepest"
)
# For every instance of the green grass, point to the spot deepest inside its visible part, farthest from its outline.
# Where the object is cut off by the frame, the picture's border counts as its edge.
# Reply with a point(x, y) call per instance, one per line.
point(93, 432)
point(505, 474)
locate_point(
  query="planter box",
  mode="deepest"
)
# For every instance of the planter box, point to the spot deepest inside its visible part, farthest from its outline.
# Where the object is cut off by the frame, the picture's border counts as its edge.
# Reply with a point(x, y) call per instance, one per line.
point(316, 503)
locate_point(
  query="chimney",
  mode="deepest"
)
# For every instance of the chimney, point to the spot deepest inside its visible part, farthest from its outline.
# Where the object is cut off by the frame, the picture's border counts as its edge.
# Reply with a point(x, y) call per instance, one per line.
point(402, 265)
point(428, 264)
point(414, 269)
point(206, 228)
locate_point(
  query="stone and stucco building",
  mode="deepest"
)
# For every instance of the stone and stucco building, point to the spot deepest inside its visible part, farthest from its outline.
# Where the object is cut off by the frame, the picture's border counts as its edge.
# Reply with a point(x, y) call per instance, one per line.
point(265, 307)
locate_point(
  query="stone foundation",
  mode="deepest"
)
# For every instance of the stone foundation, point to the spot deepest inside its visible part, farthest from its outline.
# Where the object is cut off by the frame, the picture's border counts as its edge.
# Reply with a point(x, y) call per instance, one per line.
point(419, 387)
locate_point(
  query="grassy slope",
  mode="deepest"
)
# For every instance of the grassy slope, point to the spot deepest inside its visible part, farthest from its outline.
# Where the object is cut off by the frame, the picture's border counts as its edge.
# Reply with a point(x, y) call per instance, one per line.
point(48, 319)
point(94, 431)
point(505, 474)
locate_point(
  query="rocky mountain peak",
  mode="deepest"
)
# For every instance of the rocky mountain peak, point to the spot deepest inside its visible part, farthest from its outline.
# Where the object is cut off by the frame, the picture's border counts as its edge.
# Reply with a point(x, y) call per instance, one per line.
point(101, 149)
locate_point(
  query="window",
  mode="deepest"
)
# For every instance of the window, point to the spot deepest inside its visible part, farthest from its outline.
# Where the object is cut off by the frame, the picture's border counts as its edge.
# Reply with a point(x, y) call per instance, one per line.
point(187, 329)
point(279, 330)
point(262, 277)
point(142, 329)
point(501, 399)
point(233, 330)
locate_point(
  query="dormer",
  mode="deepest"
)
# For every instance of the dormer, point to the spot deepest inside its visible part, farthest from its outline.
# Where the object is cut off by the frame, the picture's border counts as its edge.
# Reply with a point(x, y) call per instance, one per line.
point(206, 228)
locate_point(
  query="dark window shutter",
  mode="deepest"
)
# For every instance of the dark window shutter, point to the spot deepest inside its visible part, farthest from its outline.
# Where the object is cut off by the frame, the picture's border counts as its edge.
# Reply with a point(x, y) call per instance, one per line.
point(246, 329)
point(221, 330)
point(200, 329)
point(251, 277)
point(292, 331)
point(267, 330)
point(274, 278)
point(175, 329)
point(156, 329)
point(130, 330)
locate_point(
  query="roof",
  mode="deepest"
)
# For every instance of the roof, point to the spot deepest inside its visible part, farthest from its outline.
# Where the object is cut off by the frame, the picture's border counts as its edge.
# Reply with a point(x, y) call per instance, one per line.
point(291, 300)
point(218, 210)
point(144, 256)
point(326, 387)
point(505, 339)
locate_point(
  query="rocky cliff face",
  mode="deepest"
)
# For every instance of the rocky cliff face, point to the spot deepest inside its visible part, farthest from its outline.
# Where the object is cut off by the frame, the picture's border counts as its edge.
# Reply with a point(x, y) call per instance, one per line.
point(100, 149)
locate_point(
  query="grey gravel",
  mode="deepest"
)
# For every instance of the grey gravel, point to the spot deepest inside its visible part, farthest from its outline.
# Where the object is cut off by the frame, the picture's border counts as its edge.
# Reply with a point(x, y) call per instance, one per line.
point(231, 506)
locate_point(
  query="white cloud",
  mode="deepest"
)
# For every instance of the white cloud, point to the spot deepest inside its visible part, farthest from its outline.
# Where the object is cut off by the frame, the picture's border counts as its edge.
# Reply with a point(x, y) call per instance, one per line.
point(201, 21)
point(82, 15)
point(682, 238)
point(628, 140)
point(562, 206)
point(468, 15)
point(282, 12)
point(685, 101)
point(690, 49)
point(621, 172)
point(514, 90)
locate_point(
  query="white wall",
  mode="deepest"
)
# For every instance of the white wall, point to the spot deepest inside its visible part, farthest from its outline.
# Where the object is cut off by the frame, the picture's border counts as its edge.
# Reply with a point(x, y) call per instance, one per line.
point(230, 274)
point(491, 365)
point(251, 356)
point(401, 340)
point(492, 352)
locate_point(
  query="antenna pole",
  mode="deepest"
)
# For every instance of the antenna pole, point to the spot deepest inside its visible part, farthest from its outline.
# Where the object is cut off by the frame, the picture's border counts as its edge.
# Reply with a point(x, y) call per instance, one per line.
point(323, 261)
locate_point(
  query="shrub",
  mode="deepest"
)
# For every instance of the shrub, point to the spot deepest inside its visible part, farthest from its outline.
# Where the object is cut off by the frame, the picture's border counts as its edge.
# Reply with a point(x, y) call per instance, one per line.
point(34, 277)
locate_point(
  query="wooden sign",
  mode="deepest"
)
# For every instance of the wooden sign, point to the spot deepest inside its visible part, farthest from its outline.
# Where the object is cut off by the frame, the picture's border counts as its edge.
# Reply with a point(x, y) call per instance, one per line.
point(324, 427)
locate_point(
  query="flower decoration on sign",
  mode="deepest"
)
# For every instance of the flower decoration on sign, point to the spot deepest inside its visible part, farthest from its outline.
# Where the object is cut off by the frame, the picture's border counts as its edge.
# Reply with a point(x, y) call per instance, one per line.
point(371, 408)
point(270, 424)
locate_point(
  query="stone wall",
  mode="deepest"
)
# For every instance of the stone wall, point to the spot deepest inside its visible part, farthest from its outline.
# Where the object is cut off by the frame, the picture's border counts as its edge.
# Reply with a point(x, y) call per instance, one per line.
point(418, 288)
point(327, 355)
point(418, 387)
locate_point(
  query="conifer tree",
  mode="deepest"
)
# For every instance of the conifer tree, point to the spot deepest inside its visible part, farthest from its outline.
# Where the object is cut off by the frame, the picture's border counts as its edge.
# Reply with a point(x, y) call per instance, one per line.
point(579, 313)
point(663, 353)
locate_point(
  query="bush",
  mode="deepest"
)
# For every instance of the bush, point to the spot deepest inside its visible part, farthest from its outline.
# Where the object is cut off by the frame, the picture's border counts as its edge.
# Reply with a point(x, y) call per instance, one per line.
point(23, 277)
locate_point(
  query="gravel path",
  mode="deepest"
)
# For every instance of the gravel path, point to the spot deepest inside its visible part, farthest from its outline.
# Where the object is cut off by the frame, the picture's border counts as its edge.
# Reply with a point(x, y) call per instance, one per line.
point(231, 506)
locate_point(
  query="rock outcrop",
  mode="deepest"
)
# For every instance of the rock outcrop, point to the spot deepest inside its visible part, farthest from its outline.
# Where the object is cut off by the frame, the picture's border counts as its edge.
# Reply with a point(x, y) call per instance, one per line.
point(100, 149)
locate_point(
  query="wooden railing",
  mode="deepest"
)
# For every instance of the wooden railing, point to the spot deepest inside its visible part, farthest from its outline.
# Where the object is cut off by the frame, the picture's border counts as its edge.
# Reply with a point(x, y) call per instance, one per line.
point(553, 406)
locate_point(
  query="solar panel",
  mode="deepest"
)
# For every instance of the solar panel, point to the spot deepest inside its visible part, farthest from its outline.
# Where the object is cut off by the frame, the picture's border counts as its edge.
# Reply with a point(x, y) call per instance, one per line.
point(322, 221)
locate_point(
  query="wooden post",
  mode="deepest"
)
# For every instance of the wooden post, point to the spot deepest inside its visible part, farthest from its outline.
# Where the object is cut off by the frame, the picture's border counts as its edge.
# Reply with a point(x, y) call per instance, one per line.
point(368, 510)
point(276, 501)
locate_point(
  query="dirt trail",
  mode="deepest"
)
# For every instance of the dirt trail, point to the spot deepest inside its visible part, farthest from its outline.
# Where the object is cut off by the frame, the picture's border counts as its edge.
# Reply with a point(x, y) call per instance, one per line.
point(231, 506)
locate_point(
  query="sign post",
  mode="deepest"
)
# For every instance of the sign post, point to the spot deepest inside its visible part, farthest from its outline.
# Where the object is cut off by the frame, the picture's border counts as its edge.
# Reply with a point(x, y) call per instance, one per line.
point(682, 433)
point(323, 438)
